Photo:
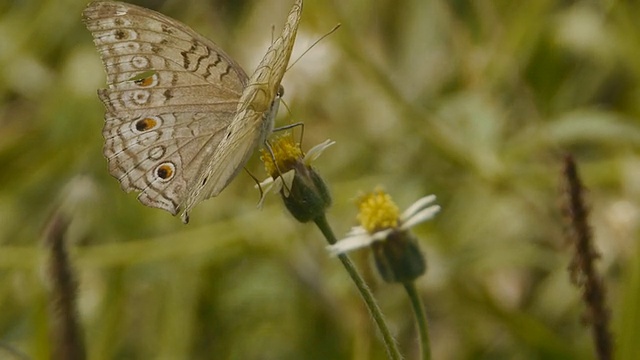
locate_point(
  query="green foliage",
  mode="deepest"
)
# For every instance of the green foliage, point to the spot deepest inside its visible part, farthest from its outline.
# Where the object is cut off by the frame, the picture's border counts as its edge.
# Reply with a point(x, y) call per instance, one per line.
point(475, 102)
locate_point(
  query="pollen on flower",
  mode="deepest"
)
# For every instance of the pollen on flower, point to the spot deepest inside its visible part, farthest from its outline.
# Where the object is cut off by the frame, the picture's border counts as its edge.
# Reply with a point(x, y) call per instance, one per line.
point(285, 152)
point(377, 212)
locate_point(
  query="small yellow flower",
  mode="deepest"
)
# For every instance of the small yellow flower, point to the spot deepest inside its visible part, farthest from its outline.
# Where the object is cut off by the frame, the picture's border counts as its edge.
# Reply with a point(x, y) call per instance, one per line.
point(303, 191)
point(378, 221)
point(285, 152)
point(377, 211)
point(395, 250)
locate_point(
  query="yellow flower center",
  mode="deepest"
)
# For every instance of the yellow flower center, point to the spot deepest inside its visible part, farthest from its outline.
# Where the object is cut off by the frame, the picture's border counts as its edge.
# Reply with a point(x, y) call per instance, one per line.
point(285, 152)
point(377, 211)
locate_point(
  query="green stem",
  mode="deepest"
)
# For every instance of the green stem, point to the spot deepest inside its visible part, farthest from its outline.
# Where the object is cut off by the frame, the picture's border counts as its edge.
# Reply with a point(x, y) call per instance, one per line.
point(392, 347)
point(421, 319)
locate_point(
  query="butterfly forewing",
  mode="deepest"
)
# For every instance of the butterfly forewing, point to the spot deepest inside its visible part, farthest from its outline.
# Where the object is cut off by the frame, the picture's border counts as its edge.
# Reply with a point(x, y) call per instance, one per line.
point(255, 115)
point(131, 39)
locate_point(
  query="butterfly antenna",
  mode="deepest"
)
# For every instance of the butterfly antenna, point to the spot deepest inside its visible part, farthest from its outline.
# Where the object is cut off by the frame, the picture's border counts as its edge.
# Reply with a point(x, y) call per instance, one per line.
point(314, 44)
point(286, 106)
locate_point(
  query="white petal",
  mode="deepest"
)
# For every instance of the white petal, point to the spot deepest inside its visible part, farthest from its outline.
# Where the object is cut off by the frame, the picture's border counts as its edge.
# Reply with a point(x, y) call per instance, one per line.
point(417, 206)
point(350, 243)
point(316, 151)
point(287, 178)
point(356, 230)
point(263, 183)
point(265, 190)
point(382, 235)
point(360, 231)
point(420, 216)
point(359, 239)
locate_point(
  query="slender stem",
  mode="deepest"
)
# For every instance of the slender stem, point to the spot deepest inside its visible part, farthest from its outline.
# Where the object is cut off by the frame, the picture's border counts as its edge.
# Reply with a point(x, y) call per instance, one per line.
point(390, 343)
point(421, 319)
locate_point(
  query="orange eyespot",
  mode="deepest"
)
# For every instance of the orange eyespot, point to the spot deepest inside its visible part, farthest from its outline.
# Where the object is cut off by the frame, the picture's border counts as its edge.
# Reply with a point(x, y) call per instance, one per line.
point(146, 124)
point(164, 171)
point(148, 81)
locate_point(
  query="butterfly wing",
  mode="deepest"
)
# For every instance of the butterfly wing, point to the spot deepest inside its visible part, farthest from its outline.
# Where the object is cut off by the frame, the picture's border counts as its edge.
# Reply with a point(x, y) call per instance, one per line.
point(171, 95)
point(254, 117)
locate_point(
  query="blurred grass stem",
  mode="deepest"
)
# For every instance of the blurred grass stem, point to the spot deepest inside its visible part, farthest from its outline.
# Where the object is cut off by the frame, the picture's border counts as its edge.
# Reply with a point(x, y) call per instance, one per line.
point(66, 333)
point(582, 269)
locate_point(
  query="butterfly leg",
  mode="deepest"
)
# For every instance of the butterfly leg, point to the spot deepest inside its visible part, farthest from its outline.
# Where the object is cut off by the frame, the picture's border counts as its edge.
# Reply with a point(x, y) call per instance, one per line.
point(290, 126)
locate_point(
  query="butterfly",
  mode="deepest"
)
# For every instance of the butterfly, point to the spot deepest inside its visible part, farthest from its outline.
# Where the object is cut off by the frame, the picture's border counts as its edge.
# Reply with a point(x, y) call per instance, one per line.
point(182, 117)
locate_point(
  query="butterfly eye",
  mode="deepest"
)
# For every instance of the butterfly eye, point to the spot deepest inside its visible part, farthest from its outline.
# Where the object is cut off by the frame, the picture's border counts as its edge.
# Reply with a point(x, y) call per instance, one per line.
point(280, 92)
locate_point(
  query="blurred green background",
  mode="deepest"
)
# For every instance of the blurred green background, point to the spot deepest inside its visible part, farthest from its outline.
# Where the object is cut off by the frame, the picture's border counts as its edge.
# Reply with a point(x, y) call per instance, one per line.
point(474, 101)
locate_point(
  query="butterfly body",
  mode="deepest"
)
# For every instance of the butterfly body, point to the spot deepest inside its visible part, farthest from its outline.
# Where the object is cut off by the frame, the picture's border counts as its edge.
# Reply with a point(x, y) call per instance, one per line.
point(182, 117)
